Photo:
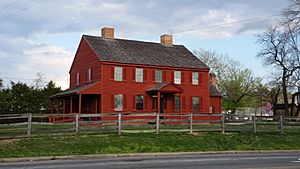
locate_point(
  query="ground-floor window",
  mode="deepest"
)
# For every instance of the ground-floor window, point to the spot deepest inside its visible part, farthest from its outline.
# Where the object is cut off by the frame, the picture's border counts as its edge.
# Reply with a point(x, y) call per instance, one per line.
point(177, 103)
point(139, 101)
point(118, 102)
point(196, 104)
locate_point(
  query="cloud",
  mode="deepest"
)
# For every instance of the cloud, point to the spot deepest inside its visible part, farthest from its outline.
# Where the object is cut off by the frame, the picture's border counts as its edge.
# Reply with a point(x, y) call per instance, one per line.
point(25, 50)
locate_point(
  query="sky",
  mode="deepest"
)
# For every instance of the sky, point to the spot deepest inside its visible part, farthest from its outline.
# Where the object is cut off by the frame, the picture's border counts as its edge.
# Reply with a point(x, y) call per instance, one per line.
point(43, 35)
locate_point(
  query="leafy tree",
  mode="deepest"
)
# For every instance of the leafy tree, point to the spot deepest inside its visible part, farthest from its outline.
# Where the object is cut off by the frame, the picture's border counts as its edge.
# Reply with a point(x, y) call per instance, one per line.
point(49, 90)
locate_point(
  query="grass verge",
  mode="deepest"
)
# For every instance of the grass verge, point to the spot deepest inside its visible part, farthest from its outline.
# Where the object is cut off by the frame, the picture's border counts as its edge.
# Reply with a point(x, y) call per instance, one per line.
point(146, 142)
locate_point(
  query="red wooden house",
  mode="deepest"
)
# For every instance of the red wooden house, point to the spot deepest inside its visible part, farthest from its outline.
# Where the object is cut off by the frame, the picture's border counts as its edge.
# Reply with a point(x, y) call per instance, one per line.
point(118, 75)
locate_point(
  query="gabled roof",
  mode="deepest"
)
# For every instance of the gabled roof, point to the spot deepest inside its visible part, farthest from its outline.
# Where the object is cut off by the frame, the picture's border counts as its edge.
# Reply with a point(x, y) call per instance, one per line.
point(148, 53)
point(166, 87)
point(73, 91)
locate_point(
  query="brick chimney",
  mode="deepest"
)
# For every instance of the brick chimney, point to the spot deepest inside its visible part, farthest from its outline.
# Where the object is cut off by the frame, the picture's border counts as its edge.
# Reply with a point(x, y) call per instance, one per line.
point(213, 79)
point(166, 40)
point(108, 33)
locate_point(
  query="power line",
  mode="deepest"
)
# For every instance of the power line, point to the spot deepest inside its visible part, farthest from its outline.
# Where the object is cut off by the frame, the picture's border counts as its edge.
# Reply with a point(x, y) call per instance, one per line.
point(218, 25)
point(21, 10)
point(9, 5)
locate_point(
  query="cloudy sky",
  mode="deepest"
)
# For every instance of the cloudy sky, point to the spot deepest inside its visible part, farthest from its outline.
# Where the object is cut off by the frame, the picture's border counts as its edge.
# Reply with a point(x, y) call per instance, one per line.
point(42, 35)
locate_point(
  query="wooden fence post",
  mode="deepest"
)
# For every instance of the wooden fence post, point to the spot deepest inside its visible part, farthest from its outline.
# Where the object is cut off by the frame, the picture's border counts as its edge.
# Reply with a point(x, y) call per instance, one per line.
point(223, 123)
point(119, 124)
point(281, 124)
point(157, 123)
point(191, 123)
point(76, 123)
point(254, 124)
point(29, 125)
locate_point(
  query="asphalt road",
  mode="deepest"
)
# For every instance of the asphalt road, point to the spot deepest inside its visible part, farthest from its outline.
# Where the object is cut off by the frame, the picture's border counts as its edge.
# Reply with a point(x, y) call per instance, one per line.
point(214, 161)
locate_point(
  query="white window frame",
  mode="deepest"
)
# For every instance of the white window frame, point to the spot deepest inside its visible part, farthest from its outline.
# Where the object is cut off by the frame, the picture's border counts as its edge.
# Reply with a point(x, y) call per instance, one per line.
point(195, 78)
point(177, 77)
point(158, 76)
point(137, 99)
point(118, 73)
point(177, 106)
point(139, 74)
point(194, 100)
point(77, 78)
point(118, 102)
point(89, 75)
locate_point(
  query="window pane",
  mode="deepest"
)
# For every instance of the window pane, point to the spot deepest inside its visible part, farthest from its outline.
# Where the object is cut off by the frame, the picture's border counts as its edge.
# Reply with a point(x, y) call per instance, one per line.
point(139, 75)
point(177, 103)
point(118, 105)
point(158, 76)
point(196, 104)
point(195, 78)
point(177, 77)
point(118, 74)
point(139, 101)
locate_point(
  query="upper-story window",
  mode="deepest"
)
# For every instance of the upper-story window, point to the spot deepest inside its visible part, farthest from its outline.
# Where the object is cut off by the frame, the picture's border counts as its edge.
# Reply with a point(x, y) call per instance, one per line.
point(139, 75)
point(118, 73)
point(89, 75)
point(195, 78)
point(77, 78)
point(177, 77)
point(158, 76)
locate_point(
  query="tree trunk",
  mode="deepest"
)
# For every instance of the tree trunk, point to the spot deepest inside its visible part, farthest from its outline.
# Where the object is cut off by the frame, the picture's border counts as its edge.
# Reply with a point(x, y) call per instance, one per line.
point(285, 95)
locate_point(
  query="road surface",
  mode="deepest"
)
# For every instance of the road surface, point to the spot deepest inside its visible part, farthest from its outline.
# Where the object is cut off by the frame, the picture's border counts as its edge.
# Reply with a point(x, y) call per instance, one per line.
point(212, 161)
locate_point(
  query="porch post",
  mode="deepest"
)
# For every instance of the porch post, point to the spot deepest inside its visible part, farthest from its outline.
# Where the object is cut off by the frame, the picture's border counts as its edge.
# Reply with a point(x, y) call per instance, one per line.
point(158, 102)
point(96, 104)
point(79, 110)
point(71, 104)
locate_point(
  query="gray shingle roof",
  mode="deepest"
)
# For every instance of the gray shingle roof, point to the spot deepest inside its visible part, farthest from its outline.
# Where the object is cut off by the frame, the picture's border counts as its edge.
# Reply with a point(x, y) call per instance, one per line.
point(138, 52)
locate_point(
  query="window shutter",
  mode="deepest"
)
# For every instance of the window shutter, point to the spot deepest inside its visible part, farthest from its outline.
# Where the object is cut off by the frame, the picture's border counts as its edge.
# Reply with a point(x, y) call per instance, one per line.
point(191, 77)
point(164, 75)
point(145, 102)
point(124, 74)
point(182, 77)
point(125, 101)
point(183, 102)
point(153, 75)
point(133, 101)
point(112, 102)
point(145, 75)
point(112, 72)
point(173, 103)
point(172, 76)
point(191, 103)
point(200, 78)
point(133, 74)
point(201, 103)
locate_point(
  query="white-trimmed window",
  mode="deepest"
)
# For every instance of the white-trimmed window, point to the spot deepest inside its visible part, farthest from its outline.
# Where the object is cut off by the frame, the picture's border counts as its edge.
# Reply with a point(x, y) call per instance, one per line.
point(77, 78)
point(158, 76)
point(139, 102)
point(118, 73)
point(89, 75)
point(195, 78)
point(177, 77)
point(139, 75)
point(118, 102)
point(196, 104)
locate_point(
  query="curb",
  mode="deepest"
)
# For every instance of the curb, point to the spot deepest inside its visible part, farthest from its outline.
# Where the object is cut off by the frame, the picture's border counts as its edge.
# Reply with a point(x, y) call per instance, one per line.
point(103, 156)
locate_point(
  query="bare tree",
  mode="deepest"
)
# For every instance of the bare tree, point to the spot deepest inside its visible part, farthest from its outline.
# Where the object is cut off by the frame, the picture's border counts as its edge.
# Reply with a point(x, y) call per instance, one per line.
point(39, 81)
point(280, 49)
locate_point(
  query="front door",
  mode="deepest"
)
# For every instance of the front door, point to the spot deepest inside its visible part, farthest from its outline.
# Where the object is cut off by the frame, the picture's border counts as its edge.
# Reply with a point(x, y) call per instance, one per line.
point(163, 103)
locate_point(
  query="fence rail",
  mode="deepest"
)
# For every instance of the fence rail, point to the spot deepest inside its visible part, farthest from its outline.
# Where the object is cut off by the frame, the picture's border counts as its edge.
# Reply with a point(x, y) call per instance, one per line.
point(28, 125)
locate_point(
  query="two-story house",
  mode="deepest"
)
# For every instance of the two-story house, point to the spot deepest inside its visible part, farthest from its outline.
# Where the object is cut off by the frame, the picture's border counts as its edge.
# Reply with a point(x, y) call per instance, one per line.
point(118, 75)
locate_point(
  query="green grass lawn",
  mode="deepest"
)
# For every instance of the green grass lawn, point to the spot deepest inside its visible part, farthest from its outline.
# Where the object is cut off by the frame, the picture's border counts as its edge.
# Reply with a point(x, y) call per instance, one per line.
point(146, 142)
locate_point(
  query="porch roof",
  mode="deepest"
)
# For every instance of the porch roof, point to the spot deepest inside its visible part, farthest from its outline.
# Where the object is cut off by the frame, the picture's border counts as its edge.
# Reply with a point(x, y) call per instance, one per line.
point(167, 87)
point(74, 91)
